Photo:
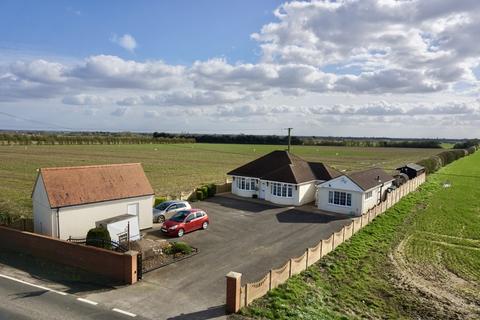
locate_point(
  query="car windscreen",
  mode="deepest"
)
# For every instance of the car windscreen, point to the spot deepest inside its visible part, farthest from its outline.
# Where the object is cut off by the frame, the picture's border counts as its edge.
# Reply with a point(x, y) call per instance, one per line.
point(180, 216)
point(162, 206)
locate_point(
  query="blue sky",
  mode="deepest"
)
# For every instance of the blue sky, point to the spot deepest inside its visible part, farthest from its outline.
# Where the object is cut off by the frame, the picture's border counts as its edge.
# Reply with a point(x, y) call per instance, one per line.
point(178, 32)
point(341, 68)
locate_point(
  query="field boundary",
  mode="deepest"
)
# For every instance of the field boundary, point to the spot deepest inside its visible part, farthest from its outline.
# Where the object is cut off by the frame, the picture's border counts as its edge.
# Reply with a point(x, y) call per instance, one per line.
point(239, 296)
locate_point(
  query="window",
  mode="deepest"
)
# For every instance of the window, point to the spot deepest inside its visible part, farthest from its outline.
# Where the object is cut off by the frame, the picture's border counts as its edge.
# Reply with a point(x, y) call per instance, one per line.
point(282, 190)
point(340, 198)
point(368, 195)
point(190, 217)
point(200, 214)
point(246, 183)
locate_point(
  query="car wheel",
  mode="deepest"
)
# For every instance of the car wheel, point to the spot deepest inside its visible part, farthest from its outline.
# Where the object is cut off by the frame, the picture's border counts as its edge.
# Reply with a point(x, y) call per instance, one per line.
point(161, 219)
point(205, 225)
point(180, 233)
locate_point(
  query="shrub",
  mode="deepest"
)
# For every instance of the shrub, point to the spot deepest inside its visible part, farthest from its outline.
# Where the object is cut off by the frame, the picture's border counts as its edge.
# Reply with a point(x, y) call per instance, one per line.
point(178, 247)
point(212, 189)
point(159, 200)
point(204, 189)
point(199, 195)
point(99, 237)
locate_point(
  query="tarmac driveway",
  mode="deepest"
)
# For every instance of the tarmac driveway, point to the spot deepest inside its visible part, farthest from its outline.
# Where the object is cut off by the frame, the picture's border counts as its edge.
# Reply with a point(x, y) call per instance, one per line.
point(245, 236)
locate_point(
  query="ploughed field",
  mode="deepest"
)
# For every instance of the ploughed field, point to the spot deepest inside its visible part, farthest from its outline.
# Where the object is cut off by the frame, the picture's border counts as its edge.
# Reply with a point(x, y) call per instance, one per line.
point(173, 168)
point(419, 260)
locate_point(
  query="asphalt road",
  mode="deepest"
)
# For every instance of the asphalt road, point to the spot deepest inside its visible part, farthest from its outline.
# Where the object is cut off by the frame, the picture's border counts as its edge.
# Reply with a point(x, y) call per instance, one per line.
point(24, 301)
point(246, 237)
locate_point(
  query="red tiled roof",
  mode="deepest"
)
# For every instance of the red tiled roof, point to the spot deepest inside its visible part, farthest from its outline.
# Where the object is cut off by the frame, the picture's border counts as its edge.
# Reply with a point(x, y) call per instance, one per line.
point(70, 186)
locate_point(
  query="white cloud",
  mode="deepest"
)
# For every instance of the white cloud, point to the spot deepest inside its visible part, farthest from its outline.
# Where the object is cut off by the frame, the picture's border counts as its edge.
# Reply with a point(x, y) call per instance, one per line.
point(85, 99)
point(119, 112)
point(126, 41)
point(322, 62)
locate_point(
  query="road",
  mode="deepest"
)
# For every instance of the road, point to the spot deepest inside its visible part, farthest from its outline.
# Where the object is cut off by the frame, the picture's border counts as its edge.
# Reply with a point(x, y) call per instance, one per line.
point(20, 300)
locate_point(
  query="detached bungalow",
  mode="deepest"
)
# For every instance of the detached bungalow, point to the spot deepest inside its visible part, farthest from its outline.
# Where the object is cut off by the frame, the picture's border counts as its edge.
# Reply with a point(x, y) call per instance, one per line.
point(69, 201)
point(354, 193)
point(280, 177)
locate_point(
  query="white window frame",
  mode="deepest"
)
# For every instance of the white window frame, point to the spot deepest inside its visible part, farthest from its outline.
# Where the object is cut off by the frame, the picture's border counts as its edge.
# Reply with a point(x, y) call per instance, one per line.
point(282, 190)
point(368, 195)
point(247, 184)
point(336, 198)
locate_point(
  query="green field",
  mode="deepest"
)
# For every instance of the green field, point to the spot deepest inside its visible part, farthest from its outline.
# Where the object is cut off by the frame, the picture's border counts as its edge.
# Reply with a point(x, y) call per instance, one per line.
point(172, 168)
point(420, 260)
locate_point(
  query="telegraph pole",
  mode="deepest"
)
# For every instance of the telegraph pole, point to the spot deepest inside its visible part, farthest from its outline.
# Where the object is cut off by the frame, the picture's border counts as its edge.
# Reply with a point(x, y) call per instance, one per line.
point(289, 138)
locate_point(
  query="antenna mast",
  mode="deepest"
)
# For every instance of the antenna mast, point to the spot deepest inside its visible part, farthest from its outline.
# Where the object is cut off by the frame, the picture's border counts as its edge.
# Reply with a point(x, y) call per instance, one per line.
point(289, 138)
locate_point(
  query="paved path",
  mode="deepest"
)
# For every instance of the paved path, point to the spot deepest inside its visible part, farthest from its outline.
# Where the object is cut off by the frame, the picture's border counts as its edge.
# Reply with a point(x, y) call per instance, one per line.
point(21, 300)
point(244, 236)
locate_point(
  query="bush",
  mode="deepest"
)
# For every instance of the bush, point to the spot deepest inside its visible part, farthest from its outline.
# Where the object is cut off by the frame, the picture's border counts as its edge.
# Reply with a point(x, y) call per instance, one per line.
point(212, 189)
point(199, 195)
point(178, 247)
point(159, 200)
point(99, 237)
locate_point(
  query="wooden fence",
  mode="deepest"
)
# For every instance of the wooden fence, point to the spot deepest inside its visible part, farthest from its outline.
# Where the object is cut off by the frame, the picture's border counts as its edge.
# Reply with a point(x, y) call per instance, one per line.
point(239, 296)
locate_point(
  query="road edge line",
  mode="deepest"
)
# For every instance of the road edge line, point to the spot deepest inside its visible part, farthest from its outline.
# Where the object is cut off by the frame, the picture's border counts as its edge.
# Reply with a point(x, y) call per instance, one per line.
point(33, 285)
point(124, 312)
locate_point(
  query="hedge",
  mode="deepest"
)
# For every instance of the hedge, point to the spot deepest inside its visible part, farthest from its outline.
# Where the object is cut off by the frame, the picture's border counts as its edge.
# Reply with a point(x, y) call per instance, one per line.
point(159, 200)
point(434, 163)
point(206, 191)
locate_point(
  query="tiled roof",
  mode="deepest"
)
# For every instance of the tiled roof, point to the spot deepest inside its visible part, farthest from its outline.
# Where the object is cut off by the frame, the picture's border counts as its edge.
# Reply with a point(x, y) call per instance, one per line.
point(283, 166)
point(370, 178)
point(70, 186)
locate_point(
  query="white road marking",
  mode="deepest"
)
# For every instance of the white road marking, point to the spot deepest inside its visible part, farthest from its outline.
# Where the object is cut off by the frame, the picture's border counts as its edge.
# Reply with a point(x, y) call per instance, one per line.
point(88, 301)
point(34, 285)
point(124, 312)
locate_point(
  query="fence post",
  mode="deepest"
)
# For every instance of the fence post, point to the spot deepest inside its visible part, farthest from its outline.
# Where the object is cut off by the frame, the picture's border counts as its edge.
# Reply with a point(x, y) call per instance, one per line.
point(290, 268)
point(270, 281)
point(234, 280)
point(306, 260)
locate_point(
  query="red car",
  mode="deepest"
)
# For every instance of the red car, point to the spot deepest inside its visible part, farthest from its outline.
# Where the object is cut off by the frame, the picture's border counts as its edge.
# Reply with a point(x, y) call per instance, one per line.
point(185, 221)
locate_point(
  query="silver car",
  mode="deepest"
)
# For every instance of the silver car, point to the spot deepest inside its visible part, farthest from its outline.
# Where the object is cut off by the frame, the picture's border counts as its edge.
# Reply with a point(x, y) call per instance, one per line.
point(167, 209)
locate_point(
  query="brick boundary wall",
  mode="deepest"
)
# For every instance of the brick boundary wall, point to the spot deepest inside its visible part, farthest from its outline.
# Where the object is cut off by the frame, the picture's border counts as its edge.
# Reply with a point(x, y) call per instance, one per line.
point(238, 296)
point(120, 267)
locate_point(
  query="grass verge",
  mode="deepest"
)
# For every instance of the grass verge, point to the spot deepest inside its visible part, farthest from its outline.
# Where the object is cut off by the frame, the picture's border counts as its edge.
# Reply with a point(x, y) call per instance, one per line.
point(359, 280)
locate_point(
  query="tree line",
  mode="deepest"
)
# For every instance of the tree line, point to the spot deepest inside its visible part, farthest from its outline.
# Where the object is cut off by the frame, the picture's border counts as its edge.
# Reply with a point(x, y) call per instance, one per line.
point(87, 139)
point(307, 141)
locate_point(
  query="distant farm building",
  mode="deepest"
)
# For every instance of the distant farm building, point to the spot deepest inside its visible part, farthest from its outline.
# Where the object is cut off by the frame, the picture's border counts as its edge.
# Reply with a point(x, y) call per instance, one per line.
point(412, 170)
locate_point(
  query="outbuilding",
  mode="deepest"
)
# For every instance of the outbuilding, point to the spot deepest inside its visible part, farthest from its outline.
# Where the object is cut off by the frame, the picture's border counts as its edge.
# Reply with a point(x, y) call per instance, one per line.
point(354, 193)
point(69, 201)
point(280, 177)
point(412, 170)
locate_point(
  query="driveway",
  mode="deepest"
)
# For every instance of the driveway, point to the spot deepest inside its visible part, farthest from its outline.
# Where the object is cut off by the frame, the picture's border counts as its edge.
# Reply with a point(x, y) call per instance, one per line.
point(245, 236)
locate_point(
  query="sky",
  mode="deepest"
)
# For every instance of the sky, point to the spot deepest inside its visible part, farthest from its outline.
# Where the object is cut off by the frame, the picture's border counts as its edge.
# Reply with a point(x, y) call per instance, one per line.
point(380, 68)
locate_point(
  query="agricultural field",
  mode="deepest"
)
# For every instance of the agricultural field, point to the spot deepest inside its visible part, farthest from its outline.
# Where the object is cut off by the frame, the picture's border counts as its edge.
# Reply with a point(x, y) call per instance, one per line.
point(420, 260)
point(172, 168)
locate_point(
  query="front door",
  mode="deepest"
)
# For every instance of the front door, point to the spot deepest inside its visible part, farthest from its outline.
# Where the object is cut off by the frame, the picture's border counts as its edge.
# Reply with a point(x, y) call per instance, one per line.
point(132, 209)
point(263, 188)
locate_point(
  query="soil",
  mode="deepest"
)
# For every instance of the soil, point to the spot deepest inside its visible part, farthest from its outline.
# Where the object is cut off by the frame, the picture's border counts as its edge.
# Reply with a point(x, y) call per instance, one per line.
point(435, 286)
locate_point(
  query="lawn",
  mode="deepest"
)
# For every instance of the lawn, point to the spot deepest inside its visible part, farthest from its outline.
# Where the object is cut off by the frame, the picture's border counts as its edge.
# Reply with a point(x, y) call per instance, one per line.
point(421, 259)
point(172, 168)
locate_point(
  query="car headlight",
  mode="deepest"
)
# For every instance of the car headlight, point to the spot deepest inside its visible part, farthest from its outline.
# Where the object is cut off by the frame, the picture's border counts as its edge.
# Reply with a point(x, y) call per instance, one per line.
point(173, 227)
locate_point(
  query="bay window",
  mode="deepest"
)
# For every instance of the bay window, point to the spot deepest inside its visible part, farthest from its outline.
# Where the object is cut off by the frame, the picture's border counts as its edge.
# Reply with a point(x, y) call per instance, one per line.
point(246, 183)
point(282, 190)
